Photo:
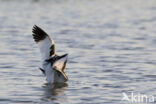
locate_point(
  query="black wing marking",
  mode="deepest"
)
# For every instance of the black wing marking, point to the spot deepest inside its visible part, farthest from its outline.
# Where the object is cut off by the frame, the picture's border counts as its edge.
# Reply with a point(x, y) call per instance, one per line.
point(38, 34)
point(52, 50)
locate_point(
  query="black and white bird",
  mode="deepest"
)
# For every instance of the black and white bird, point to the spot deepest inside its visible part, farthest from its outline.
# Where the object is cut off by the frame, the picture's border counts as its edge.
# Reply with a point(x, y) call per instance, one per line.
point(53, 66)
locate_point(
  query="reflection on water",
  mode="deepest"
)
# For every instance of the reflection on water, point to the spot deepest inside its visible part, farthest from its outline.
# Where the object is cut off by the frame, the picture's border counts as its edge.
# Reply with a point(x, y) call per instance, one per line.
point(54, 92)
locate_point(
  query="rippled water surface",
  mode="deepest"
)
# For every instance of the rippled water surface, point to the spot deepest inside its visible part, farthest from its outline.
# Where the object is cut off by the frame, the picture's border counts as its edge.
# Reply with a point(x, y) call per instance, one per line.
point(111, 46)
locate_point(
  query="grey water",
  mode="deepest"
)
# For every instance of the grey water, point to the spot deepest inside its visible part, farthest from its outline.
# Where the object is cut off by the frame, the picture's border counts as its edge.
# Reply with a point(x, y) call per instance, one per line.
point(111, 46)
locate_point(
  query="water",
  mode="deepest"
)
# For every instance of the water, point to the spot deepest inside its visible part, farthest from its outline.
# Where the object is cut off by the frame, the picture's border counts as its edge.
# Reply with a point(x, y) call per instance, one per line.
point(111, 47)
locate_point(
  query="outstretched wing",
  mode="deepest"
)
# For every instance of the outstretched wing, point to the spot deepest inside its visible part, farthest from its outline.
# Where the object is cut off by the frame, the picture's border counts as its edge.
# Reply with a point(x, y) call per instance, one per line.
point(60, 64)
point(46, 45)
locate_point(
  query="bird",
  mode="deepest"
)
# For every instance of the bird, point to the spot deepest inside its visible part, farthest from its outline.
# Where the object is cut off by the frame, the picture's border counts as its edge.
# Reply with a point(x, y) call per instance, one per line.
point(53, 65)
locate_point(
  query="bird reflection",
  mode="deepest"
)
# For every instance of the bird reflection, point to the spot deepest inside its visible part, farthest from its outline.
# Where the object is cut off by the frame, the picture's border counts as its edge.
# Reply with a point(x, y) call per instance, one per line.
point(54, 92)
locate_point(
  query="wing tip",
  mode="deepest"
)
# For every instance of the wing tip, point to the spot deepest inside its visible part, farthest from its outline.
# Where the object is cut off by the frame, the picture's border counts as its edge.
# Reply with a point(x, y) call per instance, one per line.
point(36, 29)
point(38, 33)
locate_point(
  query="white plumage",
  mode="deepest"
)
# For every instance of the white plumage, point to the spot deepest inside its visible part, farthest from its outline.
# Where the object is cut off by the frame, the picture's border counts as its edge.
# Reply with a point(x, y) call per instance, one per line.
point(44, 46)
